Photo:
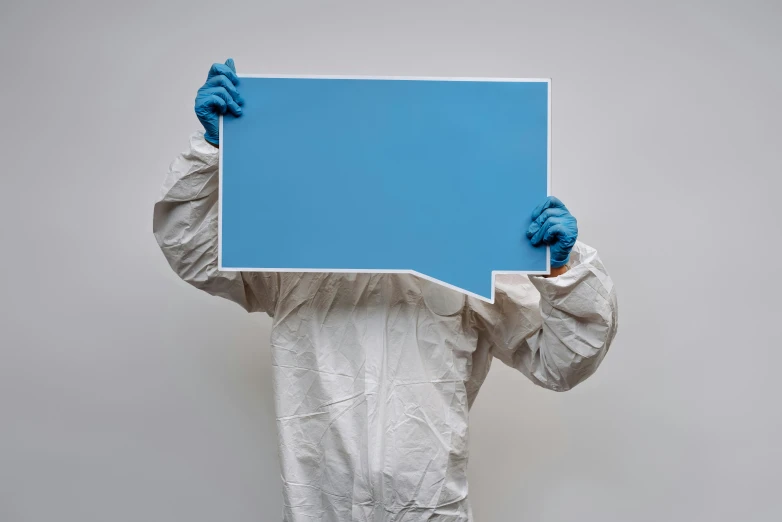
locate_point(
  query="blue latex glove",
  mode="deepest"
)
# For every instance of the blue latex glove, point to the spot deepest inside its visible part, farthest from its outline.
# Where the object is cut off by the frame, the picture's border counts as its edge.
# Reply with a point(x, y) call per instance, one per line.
point(218, 96)
point(554, 225)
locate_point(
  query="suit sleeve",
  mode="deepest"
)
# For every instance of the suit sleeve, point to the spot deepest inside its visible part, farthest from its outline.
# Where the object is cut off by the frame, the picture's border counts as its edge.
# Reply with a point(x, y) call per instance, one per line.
point(185, 226)
point(556, 331)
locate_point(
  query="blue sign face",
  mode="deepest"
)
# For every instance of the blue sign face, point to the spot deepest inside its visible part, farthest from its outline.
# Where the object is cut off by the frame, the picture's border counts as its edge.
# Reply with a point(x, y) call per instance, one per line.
point(434, 177)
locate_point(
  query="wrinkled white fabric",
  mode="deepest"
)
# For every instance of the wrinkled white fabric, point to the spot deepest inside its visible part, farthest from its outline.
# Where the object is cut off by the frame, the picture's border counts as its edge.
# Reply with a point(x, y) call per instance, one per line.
point(374, 374)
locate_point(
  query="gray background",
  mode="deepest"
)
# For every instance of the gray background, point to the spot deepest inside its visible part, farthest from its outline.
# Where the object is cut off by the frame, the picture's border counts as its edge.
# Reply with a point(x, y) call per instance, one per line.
point(126, 395)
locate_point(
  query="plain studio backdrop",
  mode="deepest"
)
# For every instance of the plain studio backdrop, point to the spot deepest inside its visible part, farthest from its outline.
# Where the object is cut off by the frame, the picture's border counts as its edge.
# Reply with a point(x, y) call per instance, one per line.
point(127, 395)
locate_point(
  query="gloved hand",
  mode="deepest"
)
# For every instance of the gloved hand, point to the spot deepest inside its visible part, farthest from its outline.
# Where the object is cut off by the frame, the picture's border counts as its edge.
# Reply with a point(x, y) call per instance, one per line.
point(218, 96)
point(554, 225)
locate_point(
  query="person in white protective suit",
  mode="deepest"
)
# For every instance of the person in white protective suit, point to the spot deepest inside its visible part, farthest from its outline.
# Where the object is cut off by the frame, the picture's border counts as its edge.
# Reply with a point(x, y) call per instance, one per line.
point(374, 374)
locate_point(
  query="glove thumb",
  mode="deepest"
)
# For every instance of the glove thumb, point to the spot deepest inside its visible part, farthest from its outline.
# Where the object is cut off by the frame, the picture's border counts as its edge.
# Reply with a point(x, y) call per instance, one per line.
point(230, 63)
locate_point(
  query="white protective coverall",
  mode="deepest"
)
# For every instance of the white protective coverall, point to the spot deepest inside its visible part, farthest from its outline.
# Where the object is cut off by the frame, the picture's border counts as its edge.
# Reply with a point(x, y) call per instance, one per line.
point(374, 374)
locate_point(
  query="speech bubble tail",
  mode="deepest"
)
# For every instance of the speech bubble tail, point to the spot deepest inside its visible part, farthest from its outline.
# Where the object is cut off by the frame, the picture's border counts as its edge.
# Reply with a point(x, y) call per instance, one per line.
point(481, 288)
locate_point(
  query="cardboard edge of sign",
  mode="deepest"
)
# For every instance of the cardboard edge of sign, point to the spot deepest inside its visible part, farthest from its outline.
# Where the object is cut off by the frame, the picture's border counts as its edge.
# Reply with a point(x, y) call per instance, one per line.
point(494, 273)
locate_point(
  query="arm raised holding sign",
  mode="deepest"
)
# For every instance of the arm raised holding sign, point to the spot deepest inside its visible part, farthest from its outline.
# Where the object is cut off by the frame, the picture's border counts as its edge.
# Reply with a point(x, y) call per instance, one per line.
point(186, 216)
point(555, 329)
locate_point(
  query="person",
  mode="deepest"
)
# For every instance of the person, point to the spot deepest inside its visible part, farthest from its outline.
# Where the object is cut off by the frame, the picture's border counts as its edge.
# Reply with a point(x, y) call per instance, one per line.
point(374, 374)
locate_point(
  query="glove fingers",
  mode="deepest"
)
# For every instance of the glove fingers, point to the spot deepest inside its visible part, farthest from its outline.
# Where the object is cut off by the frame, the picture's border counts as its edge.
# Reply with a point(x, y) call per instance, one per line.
point(554, 232)
point(532, 230)
point(222, 69)
point(539, 237)
point(225, 82)
point(232, 106)
point(550, 202)
point(216, 97)
point(215, 103)
point(546, 214)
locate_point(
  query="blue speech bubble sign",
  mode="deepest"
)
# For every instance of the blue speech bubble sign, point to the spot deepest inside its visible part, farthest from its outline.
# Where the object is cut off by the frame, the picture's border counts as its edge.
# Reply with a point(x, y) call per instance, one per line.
point(431, 176)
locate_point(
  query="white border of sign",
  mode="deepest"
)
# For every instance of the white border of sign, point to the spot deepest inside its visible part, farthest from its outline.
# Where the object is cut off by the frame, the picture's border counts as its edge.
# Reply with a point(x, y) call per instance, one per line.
point(365, 271)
